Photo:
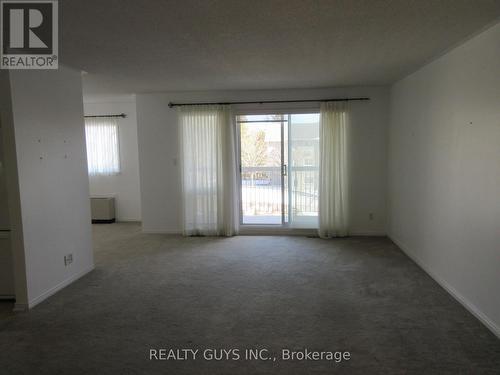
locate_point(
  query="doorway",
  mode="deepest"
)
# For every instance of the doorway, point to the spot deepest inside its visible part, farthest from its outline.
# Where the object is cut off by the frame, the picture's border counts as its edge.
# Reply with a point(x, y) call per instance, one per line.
point(279, 168)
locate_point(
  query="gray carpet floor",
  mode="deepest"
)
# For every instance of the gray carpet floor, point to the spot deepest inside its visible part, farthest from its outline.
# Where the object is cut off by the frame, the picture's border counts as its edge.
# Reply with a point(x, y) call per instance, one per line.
point(360, 295)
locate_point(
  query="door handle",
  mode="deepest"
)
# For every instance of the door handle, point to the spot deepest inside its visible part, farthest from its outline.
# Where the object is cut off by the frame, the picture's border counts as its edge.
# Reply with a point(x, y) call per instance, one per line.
point(284, 170)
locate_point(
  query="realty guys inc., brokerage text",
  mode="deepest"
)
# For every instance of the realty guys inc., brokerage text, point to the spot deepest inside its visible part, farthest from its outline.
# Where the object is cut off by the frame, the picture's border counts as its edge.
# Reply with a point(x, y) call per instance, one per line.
point(249, 354)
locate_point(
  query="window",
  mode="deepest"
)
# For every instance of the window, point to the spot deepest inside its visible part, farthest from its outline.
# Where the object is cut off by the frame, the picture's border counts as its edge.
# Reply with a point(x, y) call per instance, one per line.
point(103, 157)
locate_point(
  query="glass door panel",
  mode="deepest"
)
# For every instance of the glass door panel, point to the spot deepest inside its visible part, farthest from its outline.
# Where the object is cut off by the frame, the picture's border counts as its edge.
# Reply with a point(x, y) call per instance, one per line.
point(304, 169)
point(261, 169)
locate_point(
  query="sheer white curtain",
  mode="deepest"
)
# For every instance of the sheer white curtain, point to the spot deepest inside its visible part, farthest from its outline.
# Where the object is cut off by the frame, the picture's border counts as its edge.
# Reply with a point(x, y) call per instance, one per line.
point(208, 163)
point(103, 154)
point(334, 170)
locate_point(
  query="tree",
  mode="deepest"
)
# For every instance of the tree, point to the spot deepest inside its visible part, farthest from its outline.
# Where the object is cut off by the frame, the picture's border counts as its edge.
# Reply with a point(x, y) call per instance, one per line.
point(253, 147)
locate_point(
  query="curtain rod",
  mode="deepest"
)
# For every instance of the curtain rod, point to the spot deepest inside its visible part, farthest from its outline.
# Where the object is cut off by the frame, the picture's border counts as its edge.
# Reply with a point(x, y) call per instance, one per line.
point(271, 101)
point(123, 115)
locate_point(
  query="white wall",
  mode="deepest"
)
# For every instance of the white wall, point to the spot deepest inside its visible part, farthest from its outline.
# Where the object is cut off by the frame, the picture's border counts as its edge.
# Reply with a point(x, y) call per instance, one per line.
point(444, 184)
point(11, 179)
point(4, 207)
point(158, 151)
point(48, 134)
point(124, 186)
point(7, 287)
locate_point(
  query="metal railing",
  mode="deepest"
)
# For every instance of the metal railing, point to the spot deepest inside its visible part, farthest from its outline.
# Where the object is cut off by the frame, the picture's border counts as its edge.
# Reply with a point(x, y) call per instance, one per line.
point(262, 195)
point(304, 190)
point(261, 191)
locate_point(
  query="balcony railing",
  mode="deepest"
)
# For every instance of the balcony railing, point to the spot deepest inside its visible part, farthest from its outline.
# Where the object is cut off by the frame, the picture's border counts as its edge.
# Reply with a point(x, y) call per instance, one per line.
point(304, 191)
point(262, 194)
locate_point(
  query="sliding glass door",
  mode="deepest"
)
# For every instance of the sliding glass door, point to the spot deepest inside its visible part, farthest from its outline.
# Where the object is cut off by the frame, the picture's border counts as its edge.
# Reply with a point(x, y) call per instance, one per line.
point(279, 169)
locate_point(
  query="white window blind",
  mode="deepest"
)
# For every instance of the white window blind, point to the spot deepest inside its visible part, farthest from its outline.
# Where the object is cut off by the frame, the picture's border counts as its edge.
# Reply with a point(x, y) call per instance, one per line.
point(103, 156)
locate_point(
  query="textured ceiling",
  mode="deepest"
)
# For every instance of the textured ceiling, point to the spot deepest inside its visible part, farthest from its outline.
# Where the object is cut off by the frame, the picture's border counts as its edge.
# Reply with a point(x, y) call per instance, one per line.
point(129, 46)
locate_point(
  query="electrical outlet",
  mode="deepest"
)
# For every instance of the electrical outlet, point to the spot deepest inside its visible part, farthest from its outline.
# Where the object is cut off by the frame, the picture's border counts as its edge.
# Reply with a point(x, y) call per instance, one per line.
point(68, 259)
point(371, 216)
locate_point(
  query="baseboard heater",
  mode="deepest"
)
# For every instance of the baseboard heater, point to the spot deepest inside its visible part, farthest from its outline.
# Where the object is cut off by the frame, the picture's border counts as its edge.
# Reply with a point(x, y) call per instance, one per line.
point(102, 210)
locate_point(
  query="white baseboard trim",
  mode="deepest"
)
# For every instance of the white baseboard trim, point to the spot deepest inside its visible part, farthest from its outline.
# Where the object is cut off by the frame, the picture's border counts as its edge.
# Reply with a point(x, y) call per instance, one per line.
point(35, 301)
point(262, 230)
point(20, 307)
point(368, 233)
point(473, 309)
point(267, 231)
point(169, 232)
